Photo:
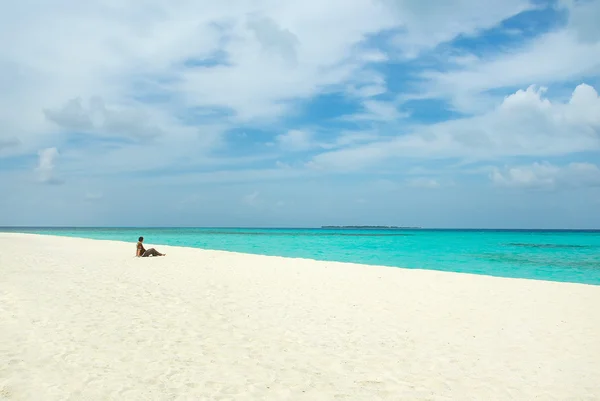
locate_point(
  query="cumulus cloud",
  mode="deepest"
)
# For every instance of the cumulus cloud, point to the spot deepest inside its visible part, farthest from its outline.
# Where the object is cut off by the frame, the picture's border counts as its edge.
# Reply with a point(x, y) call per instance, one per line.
point(98, 119)
point(173, 70)
point(203, 55)
point(156, 93)
point(552, 58)
point(547, 176)
point(569, 53)
point(46, 168)
point(524, 124)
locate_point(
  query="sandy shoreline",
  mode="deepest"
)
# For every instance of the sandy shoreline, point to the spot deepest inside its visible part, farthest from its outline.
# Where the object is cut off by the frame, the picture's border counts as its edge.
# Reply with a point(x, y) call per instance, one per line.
point(85, 320)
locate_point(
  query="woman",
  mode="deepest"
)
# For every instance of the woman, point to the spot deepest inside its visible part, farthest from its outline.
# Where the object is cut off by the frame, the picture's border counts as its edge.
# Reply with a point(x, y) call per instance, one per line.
point(141, 252)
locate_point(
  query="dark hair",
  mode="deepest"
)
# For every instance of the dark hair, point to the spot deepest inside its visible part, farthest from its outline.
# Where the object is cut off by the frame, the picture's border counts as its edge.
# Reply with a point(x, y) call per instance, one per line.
point(141, 239)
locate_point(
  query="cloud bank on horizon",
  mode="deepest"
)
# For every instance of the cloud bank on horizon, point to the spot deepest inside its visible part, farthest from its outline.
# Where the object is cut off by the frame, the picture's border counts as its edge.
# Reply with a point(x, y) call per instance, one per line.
point(279, 113)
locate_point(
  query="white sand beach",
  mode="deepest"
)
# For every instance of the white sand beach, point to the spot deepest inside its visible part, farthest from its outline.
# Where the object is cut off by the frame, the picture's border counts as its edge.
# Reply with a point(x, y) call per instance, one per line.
point(86, 320)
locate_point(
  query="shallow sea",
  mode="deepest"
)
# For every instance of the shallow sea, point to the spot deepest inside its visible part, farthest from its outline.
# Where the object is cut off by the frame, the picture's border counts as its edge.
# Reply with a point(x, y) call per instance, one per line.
point(568, 256)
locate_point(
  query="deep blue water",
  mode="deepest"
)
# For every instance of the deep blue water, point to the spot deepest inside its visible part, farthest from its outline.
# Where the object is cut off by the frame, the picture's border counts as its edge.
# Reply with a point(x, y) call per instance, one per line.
point(568, 256)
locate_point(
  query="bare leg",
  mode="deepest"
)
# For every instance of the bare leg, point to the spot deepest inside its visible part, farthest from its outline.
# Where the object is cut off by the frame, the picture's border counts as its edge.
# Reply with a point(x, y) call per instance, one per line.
point(152, 252)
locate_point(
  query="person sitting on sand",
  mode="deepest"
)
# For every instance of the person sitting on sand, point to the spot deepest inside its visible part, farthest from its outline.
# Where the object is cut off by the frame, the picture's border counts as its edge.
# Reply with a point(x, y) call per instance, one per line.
point(141, 252)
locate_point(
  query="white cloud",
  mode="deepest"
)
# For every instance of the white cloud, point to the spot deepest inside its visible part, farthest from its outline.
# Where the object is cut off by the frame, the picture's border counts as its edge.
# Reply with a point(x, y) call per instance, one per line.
point(377, 110)
point(374, 56)
point(299, 57)
point(157, 92)
point(303, 140)
point(429, 23)
point(584, 20)
point(351, 159)
point(252, 59)
point(570, 53)
point(547, 176)
point(367, 84)
point(275, 39)
point(295, 140)
point(555, 57)
point(524, 124)
point(47, 165)
point(142, 59)
point(98, 119)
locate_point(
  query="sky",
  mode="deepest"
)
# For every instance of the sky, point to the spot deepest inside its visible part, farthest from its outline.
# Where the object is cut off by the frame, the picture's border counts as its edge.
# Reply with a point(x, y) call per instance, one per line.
point(265, 113)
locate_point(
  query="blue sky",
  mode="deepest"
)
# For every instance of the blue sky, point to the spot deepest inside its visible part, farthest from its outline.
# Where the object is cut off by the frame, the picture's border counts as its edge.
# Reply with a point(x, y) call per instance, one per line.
point(462, 113)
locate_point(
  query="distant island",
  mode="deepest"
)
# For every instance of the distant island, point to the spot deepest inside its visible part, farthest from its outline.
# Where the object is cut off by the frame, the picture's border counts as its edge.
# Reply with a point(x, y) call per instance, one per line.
point(373, 227)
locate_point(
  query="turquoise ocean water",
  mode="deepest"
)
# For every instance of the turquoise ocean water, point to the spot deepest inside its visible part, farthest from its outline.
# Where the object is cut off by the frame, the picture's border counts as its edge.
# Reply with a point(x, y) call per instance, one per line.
point(568, 256)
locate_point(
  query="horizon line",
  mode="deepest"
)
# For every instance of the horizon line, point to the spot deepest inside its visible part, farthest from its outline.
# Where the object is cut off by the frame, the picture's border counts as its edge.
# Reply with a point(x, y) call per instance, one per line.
point(412, 228)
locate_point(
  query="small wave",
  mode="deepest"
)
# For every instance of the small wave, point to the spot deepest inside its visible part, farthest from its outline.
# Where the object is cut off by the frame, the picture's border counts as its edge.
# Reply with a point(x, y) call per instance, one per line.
point(543, 262)
point(550, 246)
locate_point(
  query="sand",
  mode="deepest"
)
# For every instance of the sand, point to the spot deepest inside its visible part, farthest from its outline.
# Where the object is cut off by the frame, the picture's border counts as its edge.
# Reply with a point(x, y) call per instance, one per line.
point(85, 320)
